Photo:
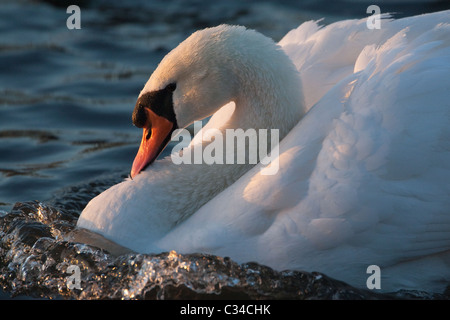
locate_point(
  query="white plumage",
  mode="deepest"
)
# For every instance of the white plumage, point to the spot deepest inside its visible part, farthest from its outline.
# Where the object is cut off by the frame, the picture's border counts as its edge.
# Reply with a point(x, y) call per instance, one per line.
point(364, 176)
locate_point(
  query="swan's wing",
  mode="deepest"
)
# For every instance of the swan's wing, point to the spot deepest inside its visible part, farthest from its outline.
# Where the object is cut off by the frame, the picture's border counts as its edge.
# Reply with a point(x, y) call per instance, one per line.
point(325, 55)
point(384, 165)
point(363, 178)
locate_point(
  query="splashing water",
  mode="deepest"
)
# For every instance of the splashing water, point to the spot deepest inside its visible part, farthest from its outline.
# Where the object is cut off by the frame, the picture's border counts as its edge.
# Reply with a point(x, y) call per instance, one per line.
point(35, 257)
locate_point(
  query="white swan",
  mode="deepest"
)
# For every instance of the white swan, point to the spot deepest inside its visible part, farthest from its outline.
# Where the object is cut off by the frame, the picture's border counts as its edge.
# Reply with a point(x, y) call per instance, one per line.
point(364, 176)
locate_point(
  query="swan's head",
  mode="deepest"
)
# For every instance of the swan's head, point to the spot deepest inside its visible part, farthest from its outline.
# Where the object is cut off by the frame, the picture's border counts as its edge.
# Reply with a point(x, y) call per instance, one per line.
point(197, 78)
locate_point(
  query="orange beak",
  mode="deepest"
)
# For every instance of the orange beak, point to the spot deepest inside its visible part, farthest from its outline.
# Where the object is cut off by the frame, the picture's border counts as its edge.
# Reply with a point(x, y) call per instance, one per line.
point(156, 134)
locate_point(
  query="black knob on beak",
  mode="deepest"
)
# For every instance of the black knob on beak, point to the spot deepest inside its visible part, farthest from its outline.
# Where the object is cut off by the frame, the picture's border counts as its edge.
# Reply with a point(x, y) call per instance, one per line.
point(139, 116)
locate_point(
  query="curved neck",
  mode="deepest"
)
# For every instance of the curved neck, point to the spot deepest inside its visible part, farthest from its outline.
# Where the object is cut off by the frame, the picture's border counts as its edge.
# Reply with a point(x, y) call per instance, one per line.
point(269, 96)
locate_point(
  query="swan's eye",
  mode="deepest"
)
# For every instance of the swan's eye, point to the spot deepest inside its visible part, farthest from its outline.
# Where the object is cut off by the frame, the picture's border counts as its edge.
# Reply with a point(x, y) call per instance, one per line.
point(171, 87)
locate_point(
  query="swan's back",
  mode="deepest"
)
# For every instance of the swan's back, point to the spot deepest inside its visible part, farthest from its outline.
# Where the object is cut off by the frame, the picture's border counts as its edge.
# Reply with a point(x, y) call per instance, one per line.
point(364, 177)
point(325, 55)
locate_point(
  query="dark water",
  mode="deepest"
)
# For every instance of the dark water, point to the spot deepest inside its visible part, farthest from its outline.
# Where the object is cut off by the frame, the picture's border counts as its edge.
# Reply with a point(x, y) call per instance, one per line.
point(66, 98)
